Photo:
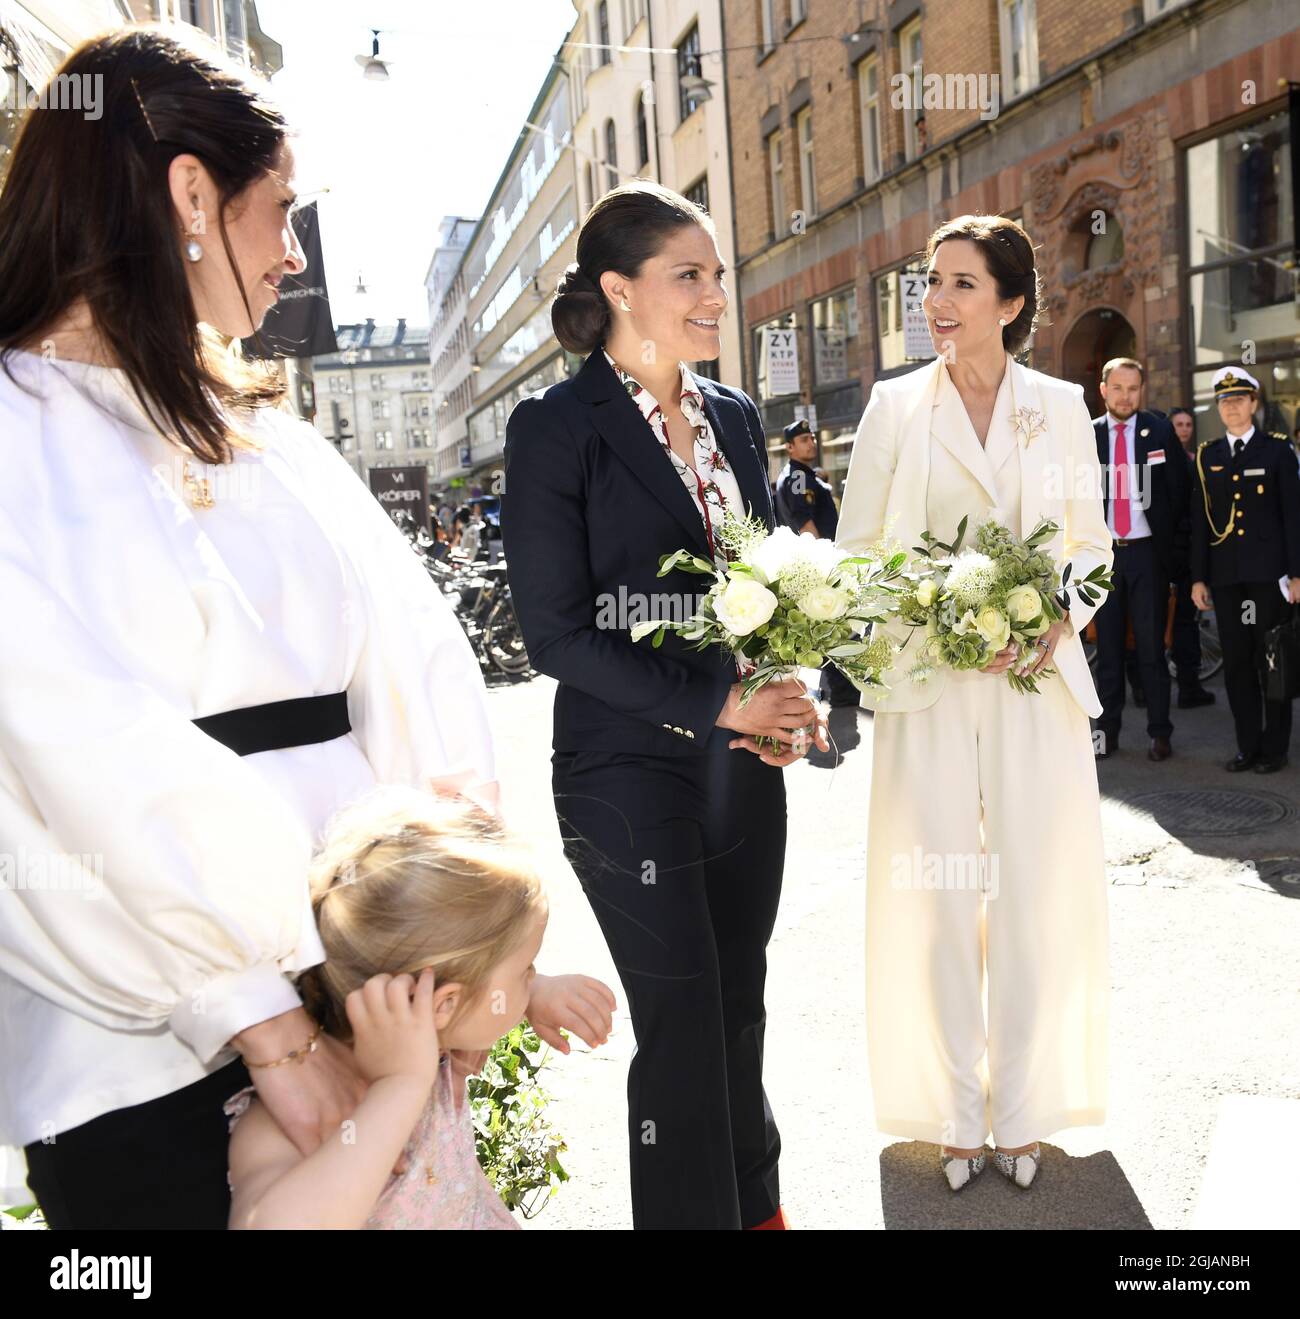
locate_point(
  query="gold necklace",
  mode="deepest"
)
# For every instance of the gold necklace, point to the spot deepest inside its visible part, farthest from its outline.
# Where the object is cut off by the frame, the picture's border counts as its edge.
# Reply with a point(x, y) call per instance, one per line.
point(198, 490)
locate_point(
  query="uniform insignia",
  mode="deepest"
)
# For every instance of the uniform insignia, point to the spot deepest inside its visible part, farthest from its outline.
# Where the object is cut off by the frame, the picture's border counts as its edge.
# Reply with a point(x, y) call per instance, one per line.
point(1213, 468)
point(1145, 431)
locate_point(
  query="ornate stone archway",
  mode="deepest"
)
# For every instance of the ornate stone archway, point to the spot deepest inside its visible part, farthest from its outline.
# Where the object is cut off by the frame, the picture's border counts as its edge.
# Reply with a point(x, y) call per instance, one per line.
point(1093, 339)
point(1114, 172)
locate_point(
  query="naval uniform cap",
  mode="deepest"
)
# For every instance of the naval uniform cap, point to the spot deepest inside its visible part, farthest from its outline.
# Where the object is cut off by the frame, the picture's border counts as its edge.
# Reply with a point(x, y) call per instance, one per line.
point(1231, 380)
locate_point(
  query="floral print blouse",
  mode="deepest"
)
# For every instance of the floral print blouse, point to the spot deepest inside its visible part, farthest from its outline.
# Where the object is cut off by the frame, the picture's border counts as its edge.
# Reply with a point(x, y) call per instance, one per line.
point(710, 482)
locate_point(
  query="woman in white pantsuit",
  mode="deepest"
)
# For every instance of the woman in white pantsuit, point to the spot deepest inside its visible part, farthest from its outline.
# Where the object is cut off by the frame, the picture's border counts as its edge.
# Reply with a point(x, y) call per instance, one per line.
point(984, 851)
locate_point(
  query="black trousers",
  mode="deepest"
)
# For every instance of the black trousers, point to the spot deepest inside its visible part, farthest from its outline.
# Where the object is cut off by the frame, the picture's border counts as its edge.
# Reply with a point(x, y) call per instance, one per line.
point(837, 689)
point(161, 1164)
point(1185, 646)
point(1263, 727)
point(681, 860)
point(1141, 592)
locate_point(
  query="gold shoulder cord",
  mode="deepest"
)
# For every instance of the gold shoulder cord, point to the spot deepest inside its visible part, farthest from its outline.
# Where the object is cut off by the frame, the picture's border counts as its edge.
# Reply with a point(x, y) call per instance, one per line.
point(1219, 537)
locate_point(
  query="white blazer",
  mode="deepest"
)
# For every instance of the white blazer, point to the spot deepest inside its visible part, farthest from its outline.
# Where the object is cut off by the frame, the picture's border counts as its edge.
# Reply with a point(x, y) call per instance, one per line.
point(1060, 479)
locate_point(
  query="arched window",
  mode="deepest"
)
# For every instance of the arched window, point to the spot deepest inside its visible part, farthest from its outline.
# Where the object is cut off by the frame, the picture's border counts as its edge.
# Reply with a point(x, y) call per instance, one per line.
point(611, 154)
point(1107, 247)
point(602, 25)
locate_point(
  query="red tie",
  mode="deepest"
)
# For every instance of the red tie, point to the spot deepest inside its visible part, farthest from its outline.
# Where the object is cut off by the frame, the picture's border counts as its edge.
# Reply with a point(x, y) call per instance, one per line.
point(1122, 523)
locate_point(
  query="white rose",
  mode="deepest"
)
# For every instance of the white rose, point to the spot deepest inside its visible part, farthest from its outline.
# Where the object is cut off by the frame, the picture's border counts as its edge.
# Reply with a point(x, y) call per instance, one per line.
point(926, 592)
point(1024, 604)
point(993, 625)
point(744, 605)
point(771, 556)
point(823, 603)
point(966, 623)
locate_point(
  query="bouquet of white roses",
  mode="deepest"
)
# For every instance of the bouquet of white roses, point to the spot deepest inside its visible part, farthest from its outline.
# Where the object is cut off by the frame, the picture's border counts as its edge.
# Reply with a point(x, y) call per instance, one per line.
point(971, 603)
point(787, 601)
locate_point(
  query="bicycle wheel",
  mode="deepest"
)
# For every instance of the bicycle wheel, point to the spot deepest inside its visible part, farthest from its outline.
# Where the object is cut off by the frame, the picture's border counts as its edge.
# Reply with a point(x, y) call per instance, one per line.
point(503, 639)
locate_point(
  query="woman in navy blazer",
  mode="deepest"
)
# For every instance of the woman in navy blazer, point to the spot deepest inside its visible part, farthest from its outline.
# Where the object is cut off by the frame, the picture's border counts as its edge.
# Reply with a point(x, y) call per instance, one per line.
point(674, 824)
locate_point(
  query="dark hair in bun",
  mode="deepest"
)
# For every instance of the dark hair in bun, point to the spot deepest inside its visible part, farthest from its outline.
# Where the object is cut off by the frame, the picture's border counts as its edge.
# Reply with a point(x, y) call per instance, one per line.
point(1009, 255)
point(622, 231)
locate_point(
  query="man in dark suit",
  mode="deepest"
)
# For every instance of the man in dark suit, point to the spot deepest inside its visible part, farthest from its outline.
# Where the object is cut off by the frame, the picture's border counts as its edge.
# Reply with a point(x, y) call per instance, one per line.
point(1185, 646)
point(1246, 545)
point(1145, 491)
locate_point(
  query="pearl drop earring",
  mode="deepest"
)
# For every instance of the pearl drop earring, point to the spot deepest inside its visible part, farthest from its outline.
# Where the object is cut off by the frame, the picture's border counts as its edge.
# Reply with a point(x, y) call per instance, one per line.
point(193, 251)
point(1002, 320)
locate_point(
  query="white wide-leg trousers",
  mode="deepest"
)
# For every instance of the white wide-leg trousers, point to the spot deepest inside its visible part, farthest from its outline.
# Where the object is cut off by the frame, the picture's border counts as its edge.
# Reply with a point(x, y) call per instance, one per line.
point(985, 858)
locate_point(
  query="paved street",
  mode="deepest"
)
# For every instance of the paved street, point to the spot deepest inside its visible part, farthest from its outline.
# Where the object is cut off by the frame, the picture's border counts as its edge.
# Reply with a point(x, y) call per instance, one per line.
point(1203, 938)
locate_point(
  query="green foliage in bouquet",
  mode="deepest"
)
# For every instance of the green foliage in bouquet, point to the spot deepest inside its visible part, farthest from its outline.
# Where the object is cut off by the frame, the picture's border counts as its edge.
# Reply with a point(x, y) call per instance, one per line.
point(973, 603)
point(514, 1141)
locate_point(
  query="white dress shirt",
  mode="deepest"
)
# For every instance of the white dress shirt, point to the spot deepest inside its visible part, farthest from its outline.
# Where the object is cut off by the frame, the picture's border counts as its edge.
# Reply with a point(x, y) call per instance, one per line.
point(128, 614)
point(1245, 439)
point(1135, 482)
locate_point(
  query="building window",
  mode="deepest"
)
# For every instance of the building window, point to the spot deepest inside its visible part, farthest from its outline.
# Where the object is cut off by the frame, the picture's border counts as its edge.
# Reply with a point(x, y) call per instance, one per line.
point(909, 63)
point(767, 12)
point(869, 96)
point(807, 172)
point(383, 439)
point(776, 184)
point(698, 192)
point(1018, 35)
point(378, 408)
point(611, 154)
point(642, 135)
point(901, 333)
point(835, 338)
point(602, 26)
point(1239, 284)
point(798, 11)
point(1152, 9)
point(377, 380)
point(688, 66)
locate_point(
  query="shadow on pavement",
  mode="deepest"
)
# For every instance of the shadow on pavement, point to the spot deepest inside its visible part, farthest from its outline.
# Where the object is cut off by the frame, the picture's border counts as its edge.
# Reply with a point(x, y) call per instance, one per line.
point(1079, 1193)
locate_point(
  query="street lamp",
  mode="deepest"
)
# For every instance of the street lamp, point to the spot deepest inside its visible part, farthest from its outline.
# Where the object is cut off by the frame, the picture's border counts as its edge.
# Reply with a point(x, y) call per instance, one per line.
point(372, 66)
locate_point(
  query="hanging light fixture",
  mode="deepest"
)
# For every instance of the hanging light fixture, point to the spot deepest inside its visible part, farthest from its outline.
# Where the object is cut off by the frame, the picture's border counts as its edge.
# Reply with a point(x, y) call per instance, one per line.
point(372, 66)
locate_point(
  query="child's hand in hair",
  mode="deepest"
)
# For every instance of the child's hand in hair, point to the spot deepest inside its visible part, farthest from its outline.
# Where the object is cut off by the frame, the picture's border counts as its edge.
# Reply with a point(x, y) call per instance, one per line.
point(393, 1028)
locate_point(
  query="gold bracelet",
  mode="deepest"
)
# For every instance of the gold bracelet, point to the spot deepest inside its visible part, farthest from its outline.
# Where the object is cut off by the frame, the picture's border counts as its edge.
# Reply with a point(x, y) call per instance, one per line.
point(294, 1055)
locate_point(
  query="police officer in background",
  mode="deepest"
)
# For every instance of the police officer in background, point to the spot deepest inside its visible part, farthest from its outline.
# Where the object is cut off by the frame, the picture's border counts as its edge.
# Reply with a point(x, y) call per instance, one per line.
point(804, 502)
point(1245, 537)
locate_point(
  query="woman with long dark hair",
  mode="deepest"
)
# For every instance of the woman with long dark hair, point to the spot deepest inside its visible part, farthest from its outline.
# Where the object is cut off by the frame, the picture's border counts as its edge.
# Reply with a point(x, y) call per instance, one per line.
point(214, 638)
point(673, 817)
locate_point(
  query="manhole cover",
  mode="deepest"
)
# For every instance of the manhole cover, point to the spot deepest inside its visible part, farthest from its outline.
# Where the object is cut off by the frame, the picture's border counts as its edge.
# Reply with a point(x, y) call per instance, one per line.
point(1212, 810)
point(1282, 872)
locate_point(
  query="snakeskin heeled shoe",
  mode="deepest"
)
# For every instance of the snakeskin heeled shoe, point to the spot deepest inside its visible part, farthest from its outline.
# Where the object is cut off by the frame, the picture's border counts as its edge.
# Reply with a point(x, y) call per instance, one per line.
point(1019, 1168)
point(959, 1171)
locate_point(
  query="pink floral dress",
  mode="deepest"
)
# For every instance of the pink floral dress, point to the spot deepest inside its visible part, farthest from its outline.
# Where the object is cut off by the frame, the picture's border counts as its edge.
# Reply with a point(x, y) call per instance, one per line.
point(443, 1185)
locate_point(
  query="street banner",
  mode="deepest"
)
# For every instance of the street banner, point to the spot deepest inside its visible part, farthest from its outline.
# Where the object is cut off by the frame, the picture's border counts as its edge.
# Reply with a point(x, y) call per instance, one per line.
point(402, 489)
point(300, 324)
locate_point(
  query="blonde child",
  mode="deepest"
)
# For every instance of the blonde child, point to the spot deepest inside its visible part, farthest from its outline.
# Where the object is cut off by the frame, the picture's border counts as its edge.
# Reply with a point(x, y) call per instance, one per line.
point(431, 920)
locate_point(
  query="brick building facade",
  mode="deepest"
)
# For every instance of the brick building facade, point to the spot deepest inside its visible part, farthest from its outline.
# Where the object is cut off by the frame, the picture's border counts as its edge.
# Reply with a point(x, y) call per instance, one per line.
point(1144, 144)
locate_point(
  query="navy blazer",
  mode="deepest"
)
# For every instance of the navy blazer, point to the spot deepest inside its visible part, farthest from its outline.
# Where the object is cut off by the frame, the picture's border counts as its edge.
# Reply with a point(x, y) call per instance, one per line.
point(1168, 482)
point(1263, 487)
point(591, 504)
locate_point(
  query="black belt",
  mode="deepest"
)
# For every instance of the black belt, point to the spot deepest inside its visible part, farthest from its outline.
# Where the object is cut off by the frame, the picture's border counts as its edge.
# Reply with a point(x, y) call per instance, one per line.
point(272, 727)
point(1141, 540)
